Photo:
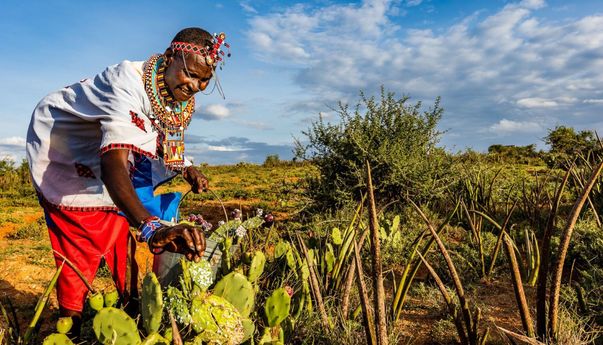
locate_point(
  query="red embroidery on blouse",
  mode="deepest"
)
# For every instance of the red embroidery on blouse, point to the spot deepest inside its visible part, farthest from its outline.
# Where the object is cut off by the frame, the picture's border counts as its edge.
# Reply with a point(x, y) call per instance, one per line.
point(129, 147)
point(84, 171)
point(137, 121)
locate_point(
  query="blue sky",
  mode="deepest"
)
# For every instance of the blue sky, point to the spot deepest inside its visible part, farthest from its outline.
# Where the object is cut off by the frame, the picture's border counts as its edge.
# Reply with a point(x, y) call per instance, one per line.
point(507, 71)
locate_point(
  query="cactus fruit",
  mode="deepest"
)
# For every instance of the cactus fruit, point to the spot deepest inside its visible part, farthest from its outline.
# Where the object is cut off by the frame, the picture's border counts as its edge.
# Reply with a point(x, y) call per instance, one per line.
point(216, 320)
point(114, 326)
point(277, 307)
point(236, 289)
point(57, 339)
point(155, 339)
point(64, 324)
point(111, 298)
point(151, 303)
point(96, 301)
point(257, 266)
point(176, 302)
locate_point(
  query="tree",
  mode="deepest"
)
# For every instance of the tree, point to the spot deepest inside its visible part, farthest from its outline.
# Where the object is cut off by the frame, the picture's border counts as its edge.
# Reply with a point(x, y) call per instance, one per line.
point(398, 140)
point(566, 144)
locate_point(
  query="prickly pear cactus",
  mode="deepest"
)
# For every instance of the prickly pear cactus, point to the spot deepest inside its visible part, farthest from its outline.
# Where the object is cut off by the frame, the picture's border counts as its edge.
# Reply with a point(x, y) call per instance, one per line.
point(291, 259)
point(236, 289)
point(64, 324)
point(253, 223)
point(176, 302)
point(111, 298)
point(216, 320)
point(113, 326)
point(96, 301)
point(155, 339)
point(281, 249)
point(277, 307)
point(273, 336)
point(151, 303)
point(248, 329)
point(222, 231)
point(336, 236)
point(201, 274)
point(329, 258)
point(257, 266)
point(57, 339)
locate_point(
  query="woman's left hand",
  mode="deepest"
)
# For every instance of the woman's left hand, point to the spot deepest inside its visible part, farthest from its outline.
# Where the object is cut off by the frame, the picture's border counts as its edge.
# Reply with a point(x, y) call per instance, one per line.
point(196, 179)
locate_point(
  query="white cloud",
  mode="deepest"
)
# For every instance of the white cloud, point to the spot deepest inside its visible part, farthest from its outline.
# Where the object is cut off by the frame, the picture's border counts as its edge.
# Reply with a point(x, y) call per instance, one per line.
point(226, 148)
point(593, 101)
point(214, 112)
point(505, 126)
point(13, 141)
point(412, 3)
point(537, 103)
point(247, 7)
point(491, 64)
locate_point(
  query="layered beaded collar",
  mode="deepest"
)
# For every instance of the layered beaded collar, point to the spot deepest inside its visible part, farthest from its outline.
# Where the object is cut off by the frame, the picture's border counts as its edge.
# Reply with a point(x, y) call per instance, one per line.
point(169, 117)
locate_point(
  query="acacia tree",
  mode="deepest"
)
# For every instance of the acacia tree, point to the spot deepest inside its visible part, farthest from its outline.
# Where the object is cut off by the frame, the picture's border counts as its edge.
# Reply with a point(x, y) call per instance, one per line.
point(398, 140)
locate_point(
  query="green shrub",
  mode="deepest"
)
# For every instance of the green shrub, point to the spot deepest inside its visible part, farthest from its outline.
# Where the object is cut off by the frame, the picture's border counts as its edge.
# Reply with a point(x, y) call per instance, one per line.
point(396, 138)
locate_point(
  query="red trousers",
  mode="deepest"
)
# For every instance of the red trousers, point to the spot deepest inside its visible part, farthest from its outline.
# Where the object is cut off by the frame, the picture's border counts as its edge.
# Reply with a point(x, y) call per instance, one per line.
point(84, 237)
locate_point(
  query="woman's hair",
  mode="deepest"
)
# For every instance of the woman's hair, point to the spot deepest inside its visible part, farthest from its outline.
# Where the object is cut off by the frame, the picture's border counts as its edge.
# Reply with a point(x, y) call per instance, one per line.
point(196, 36)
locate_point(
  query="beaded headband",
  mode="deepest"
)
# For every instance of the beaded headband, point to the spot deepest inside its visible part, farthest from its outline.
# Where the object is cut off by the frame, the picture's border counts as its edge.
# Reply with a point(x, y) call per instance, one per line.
point(213, 54)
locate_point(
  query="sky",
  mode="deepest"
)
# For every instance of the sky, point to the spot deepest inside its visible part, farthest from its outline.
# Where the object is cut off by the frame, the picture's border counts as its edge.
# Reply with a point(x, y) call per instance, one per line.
point(506, 71)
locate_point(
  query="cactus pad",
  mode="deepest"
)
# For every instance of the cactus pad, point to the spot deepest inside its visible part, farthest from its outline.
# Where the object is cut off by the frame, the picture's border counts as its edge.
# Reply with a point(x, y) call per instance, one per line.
point(216, 321)
point(277, 307)
point(253, 223)
point(336, 236)
point(201, 274)
point(151, 303)
point(236, 289)
point(329, 258)
point(111, 298)
point(257, 266)
point(176, 302)
point(114, 326)
point(57, 339)
point(248, 329)
point(281, 249)
point(155, 339)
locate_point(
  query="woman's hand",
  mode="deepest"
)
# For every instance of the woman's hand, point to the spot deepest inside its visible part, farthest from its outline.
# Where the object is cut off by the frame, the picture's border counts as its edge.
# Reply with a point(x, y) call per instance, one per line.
point(196, 179)
point(181, 238)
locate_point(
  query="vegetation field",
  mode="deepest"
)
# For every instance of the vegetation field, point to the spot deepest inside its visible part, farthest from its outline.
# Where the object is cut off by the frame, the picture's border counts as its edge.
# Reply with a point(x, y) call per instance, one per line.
point(373, 235)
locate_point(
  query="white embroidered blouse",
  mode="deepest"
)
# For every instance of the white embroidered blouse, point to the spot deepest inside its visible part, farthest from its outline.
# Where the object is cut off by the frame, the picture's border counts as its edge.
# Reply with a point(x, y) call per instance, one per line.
point(70, 128)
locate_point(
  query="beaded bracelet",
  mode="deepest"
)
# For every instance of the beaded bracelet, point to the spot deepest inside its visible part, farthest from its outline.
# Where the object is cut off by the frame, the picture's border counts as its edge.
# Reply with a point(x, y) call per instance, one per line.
point(147, 229)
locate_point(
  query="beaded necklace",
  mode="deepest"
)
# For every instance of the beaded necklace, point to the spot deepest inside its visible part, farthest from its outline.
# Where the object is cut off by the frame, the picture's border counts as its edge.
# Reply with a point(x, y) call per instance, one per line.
point(169, 117)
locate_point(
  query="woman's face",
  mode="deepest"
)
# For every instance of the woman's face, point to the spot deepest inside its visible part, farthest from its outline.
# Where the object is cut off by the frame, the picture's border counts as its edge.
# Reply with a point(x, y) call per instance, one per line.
point(186, 74)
